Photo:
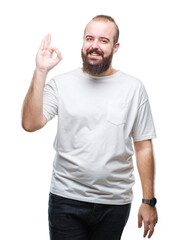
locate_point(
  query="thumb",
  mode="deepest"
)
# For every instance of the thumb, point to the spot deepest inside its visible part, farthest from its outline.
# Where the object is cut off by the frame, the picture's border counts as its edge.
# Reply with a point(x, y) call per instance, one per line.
point(139, 221)
point(58, 58)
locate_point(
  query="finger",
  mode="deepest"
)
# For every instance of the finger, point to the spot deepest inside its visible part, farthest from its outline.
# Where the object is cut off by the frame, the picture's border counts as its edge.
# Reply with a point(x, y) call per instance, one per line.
point(48, 40)
point(56, 61)
point(59, 56)
point(146, 229)
point(54, 49)
point(156, 219)
point(155, 222)
point(42, 44)
point(151, 231)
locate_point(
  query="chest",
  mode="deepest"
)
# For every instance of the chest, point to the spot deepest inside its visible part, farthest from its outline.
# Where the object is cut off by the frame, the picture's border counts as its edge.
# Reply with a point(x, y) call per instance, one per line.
point(95, 104)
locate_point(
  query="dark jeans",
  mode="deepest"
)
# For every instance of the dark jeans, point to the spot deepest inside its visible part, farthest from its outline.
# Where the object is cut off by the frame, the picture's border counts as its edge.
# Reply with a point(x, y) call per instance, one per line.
point(77, 220)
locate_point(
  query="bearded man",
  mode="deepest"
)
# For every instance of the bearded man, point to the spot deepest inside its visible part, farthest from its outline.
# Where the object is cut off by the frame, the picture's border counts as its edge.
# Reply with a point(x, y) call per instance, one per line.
point(101, 113)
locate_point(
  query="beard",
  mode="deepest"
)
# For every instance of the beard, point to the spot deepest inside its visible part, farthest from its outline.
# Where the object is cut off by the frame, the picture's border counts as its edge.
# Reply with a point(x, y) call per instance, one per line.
point(99, 67)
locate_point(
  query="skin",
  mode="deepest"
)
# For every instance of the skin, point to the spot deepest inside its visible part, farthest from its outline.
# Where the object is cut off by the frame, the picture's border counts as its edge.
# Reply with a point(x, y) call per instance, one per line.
point(145, 163)
point(32, 111)
point(100, 35)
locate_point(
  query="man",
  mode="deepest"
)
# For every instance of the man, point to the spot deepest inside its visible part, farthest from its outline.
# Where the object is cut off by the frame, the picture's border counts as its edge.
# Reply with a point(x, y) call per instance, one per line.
point(100, 111)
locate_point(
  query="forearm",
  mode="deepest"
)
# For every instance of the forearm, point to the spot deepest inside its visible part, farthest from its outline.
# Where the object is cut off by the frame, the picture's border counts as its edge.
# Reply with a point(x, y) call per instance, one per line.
point(146, 168)
point(32, 111)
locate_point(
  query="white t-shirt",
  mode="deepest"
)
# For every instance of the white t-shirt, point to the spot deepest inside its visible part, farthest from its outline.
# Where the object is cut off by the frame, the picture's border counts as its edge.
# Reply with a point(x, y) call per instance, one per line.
point(98, 117)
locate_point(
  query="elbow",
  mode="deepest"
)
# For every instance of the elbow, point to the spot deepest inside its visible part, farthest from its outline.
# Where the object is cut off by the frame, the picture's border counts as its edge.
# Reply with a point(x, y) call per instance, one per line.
point(27, 127)
point(30, 126)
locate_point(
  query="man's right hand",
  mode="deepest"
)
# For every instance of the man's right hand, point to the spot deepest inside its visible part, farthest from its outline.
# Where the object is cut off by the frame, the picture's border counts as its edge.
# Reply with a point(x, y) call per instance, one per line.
point(44, 59)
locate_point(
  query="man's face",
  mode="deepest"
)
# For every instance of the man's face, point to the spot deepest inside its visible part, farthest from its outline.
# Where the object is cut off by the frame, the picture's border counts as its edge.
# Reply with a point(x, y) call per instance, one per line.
point(98, 47)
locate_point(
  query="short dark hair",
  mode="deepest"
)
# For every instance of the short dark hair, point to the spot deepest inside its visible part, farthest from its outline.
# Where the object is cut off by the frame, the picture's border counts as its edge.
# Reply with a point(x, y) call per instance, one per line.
point(108, 18)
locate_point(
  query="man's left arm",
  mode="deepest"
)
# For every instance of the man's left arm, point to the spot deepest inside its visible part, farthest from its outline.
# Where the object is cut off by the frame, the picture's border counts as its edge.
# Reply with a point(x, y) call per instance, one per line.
point(146, 167)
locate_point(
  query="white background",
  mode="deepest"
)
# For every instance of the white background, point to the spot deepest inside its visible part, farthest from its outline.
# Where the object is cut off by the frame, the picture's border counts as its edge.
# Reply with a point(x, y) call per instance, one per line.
point(149, 50)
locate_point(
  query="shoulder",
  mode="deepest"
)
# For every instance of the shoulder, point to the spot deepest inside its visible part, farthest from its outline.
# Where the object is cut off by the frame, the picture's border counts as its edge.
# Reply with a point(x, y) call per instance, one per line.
point(131, 80)
point(62, 79)
point(134, 86)
point(67, 75)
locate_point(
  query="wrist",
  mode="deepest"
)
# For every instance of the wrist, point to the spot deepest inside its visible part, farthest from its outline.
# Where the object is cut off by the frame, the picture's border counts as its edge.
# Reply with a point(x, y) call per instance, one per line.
point(41, 72)
point(40, 76)
point(152, 201)
point(148, 193)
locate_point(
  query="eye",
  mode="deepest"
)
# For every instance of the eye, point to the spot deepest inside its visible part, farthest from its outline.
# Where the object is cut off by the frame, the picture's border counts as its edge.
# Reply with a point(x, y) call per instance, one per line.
point(104, 41)
point(89, 39)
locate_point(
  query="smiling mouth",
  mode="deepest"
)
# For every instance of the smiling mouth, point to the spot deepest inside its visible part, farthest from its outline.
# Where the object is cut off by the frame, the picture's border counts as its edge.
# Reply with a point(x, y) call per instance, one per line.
point(95, 52)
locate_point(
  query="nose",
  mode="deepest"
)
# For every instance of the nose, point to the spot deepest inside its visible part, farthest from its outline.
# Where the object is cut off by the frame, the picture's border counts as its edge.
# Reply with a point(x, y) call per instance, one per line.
point(95, 44)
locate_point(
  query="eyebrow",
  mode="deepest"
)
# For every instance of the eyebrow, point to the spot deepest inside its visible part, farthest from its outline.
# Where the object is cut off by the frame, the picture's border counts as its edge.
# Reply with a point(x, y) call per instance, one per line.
point(100, 37)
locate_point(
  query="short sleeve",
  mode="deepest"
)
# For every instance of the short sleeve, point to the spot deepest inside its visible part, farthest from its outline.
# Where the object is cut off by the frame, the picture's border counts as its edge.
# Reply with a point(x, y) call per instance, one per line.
point(143, 128)
point(50, 100)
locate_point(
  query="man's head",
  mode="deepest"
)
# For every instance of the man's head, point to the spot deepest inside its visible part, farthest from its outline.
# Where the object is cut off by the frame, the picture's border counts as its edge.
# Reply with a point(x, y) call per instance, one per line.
point(99, 44)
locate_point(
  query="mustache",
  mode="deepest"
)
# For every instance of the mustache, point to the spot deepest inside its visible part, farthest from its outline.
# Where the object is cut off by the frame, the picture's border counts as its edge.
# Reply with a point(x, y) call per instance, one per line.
point(94, 50)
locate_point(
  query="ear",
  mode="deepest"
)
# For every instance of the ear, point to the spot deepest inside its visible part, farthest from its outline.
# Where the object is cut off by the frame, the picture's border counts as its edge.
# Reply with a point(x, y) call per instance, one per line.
point(116, 47)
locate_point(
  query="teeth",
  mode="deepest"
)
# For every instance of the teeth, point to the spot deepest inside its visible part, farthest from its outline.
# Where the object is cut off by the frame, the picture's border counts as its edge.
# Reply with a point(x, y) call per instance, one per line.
point(94, 54)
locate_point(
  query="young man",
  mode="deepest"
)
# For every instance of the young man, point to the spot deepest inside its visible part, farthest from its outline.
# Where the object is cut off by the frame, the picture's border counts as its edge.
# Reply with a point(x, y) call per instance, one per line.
point(100, 111)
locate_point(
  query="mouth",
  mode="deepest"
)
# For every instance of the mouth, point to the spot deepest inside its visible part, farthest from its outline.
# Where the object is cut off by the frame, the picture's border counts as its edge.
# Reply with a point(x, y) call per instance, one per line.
point(95, 53)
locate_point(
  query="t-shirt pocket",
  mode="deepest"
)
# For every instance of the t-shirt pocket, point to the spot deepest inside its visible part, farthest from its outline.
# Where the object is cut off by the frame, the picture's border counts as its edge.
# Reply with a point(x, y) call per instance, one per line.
point(117, 112)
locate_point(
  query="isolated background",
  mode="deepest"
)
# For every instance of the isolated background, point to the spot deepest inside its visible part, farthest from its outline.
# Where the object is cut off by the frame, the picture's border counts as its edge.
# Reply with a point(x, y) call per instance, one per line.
point(149, 50)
